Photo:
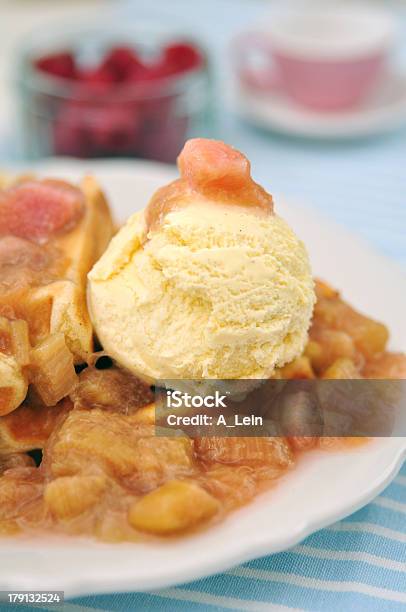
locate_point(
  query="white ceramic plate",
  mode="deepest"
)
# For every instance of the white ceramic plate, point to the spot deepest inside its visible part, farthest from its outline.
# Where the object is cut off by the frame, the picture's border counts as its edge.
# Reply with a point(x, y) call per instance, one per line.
point(321, 490)
point(383, 111)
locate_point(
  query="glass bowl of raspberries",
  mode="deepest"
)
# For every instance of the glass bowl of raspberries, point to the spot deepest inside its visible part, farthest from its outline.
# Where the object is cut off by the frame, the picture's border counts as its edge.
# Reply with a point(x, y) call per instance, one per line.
point(98, 93)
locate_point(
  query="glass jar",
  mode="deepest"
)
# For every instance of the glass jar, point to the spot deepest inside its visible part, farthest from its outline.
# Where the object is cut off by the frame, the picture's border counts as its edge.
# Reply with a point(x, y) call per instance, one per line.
point(90, 118)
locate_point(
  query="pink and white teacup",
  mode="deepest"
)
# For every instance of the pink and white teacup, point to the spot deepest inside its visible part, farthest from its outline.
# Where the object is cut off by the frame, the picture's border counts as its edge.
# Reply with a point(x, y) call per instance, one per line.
point(324, 58)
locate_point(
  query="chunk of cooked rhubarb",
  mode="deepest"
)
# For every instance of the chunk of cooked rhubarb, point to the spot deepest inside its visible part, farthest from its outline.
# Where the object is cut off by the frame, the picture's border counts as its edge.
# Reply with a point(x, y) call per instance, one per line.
point(175, 506)
point(13, 384)
point(211, 167)
point(20, 341)
point(342, 369)
point(369, 336)
point(233, 485)
point(272, 453)
point(5, 337)
point(15, 460)
point(145, 415)
point(386, 365)
point(211, 170)
point(119, 446)
point(302, 443)
point(30, 425)
point(51, 369)
point(299, 368)
point(37, 210)
point(327, 345)
point(70, 496)
point(111, 389)
point(19, 488)
point(8, 402)
point(324, 290)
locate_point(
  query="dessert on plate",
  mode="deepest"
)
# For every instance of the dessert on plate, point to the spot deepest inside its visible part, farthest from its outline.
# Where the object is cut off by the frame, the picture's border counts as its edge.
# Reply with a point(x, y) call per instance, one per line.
point(206, 282)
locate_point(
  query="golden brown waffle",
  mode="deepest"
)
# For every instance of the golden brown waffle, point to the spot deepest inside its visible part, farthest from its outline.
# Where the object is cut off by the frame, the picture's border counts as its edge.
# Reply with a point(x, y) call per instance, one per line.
point(53, 303)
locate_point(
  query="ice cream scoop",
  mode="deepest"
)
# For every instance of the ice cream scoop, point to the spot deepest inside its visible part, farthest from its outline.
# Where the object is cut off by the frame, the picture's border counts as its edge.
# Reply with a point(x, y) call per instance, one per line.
point(207, 281)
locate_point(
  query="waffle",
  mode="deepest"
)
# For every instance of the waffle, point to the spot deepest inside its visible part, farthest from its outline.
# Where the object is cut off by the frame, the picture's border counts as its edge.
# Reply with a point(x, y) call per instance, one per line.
point(43, 287)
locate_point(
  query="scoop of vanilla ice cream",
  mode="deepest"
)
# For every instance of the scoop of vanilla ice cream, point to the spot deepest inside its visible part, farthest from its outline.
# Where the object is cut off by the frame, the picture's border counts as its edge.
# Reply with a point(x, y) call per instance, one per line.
point(215, 292)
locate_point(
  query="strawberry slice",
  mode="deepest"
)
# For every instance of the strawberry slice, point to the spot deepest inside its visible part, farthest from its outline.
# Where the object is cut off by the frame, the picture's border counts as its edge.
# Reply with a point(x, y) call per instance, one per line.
point(37, 210)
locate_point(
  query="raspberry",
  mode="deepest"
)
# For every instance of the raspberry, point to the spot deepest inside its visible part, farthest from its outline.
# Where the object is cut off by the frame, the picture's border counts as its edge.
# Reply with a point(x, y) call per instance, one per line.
point(86, 130)
point(122, 62)
point(70, 134)
point(101, 75)
point(58, 64)
point(100, 120)
point(181, 57)
point(114, 129)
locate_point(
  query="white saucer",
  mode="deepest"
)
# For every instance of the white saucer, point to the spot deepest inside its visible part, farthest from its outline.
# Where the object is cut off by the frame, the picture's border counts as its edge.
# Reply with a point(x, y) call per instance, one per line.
point(383, 111)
